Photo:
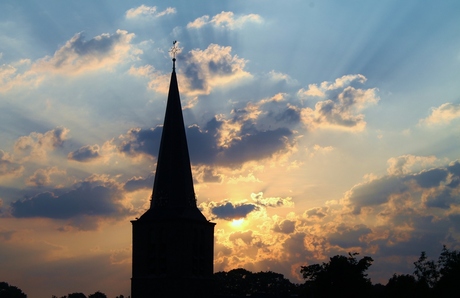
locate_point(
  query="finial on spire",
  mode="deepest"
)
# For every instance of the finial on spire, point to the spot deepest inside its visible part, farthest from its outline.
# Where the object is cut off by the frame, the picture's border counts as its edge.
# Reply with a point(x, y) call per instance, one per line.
point(174, 50)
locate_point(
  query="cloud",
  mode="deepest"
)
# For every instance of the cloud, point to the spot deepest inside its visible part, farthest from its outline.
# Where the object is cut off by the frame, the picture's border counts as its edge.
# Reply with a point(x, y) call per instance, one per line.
point(141, 141)
point(443, 114)
point(6, 235)
point(317, 212)
point(200, 71)
point(209, 68)
point(348, 237)
point(77, 55)
point(86, 200)
point(285, 227)
point(137, 183)
point(271, 201)
point(229, 211)
point(246, 237)
point(430, 178)
point(38, 144)
point(414, 188)
point(8, 168)
point(226, 142)
point(148, 12)
point(407, 163)
point(85, 153)
point(225, 20)
point(42, 177)
point(15, 74)
point(341, 105)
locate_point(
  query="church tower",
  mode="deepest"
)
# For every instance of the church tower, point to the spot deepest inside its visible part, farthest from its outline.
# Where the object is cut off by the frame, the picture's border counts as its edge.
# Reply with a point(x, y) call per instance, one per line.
point(173, 243)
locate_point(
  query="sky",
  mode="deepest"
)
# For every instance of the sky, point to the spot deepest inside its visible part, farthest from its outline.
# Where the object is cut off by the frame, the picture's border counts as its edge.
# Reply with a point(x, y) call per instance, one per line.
point(315, 128)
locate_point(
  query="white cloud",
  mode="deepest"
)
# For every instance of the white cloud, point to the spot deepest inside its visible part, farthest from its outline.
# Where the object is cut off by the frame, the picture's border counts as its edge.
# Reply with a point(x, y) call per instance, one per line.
point(148, 11)
point(271, 201)
point(8, 168)
point(36, 145)
point(408, 163)
point(77, 55)
point(42, 177)
point(340, 104)
point(443, 114)
point(203, 70)
point(225, 19)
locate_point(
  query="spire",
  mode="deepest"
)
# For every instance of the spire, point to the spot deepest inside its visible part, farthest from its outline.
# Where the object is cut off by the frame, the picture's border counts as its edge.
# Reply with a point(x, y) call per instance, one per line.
point(174, 50)
point(173, 193)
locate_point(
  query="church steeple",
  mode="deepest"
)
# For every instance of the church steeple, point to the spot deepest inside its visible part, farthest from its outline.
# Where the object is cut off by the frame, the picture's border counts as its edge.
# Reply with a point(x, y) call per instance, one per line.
point(173, 243)
point(173, 193)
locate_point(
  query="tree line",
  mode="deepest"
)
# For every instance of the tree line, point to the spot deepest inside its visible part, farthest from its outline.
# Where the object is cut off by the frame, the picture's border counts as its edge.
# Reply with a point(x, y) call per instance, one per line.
point(341, 276)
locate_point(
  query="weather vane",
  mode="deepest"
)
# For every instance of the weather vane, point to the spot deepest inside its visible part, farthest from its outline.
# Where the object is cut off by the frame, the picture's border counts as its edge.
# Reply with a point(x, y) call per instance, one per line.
point(174, 50)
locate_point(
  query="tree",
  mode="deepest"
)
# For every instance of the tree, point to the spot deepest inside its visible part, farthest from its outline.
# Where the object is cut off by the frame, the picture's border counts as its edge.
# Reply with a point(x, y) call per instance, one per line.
point(76, 295)
point(426, 271)
point(241, 282)
point(449, 271)
point(98, 295)
point(7, 291)
point(403, 285)
point(341, 277)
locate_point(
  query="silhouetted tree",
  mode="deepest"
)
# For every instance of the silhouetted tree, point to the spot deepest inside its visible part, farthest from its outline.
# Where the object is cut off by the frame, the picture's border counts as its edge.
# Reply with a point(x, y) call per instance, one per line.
point(8, 291)
point(403, 286)
point(449, 271)
point(98, 295)
point(341, 277)
point(241, 282)
point(76, 295)
point(426, 271)
point(234, 282)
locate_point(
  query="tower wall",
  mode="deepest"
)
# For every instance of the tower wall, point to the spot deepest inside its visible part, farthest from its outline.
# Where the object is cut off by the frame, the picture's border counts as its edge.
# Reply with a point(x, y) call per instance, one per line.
point(172, 258)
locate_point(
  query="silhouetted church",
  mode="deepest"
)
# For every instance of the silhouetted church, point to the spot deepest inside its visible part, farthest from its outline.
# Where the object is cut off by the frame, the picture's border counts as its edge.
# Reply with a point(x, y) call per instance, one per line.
point(173, 242)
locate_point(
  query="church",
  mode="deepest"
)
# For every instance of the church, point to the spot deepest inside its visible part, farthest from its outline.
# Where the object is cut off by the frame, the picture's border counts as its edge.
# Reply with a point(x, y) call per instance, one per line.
point(173, 243)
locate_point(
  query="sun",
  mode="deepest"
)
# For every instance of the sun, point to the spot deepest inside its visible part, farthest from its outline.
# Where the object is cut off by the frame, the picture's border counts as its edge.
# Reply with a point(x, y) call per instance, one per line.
point(237, 222)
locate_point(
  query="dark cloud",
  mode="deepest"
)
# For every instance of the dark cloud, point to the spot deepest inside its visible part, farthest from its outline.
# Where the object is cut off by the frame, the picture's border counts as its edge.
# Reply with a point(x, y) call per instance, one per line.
point(285, 227)
point(85, 153)
point(137, 183)
point(444, 199)
point(229, 211)
point(203, 145)
point(88, 198)
point(347, 237)
point(431, 178)
point(455, 219)
point(99, 46)
point(146, 141)
point(376, 192)
point(221, 67)
point(193, 74)
point(259, 145)
point(379, 191)
point(288, 115)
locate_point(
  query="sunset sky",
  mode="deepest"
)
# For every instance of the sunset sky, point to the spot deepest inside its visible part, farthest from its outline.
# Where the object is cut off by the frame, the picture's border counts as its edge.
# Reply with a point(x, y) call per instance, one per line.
point(315, 128)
